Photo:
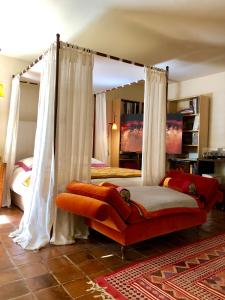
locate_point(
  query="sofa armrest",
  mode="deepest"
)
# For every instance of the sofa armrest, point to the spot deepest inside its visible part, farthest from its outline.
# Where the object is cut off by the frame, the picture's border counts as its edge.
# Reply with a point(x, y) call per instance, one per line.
point(83, 206)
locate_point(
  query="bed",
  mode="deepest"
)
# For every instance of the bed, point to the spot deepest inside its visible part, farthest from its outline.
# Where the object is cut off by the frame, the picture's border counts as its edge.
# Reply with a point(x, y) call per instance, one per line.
point(99, 172)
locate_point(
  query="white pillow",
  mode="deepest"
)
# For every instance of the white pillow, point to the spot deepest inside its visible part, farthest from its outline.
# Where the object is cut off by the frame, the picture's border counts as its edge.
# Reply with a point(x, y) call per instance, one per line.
point(26, 163)
point(97, 163)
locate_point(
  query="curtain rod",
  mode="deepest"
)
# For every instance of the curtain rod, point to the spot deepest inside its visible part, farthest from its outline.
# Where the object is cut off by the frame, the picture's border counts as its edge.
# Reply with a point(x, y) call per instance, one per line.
point(31, 64)
point(112, 57)
point(29, 82)
point(119, 87)
point(93, 52)
point(136, 82)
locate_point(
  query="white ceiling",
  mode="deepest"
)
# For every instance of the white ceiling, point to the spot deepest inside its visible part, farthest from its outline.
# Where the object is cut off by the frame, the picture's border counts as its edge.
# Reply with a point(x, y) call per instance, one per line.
point(187, 35)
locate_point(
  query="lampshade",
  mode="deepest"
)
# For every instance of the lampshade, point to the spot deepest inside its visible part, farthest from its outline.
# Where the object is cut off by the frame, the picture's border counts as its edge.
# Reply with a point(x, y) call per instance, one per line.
point(2, 91)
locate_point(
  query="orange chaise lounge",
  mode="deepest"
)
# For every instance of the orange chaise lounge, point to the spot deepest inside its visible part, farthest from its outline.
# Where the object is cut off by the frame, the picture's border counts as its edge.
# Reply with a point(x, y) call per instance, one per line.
point(129, 222)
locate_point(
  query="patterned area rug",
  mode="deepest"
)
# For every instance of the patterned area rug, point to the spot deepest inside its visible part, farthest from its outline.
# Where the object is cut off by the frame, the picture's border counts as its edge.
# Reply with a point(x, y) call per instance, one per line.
point(195, 272)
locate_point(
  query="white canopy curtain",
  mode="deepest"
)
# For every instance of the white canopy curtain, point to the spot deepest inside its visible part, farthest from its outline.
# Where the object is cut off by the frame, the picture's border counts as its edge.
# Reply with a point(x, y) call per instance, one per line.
point(74, 135)
point(36, 223)
point(73, 149)
point(154, 127)
point(11, 138)
point(101, 138)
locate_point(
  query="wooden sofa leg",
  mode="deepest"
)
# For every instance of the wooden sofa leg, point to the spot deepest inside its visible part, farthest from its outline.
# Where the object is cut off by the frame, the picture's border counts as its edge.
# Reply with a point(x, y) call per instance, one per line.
point(123, 250)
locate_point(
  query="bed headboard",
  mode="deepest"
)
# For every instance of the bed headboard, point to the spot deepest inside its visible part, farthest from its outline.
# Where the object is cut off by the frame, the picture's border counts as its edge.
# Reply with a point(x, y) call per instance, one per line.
point(25, 139)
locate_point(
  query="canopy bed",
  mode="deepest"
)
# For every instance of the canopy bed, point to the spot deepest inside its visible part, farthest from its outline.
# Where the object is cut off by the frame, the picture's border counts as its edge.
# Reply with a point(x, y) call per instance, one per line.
point(63, 140)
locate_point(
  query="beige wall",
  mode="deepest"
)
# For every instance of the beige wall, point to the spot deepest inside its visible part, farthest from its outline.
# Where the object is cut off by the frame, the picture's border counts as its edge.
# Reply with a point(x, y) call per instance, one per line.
point(29, 102)
point(214, 87)
point(8, 67)
point(134, 92)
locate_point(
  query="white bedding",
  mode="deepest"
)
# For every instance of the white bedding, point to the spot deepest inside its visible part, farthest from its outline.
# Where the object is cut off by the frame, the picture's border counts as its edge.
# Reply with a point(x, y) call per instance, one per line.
point(20, 176)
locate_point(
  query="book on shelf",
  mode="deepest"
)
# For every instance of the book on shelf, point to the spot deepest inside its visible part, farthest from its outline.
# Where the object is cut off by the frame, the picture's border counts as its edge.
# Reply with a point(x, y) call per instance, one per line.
point(188, 110)
point(195, 138)
point(194, 105)
point(196, 123)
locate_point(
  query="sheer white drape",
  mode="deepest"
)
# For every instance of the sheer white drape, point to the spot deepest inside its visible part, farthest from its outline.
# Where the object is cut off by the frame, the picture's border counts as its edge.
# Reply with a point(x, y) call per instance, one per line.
point(11, 138)
point(36, 223)
point(154, 128)
point(74, 135)
point(101, 138)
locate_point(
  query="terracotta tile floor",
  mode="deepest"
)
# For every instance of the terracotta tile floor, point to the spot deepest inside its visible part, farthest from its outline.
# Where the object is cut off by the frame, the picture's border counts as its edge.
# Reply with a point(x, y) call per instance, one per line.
point(62, 272)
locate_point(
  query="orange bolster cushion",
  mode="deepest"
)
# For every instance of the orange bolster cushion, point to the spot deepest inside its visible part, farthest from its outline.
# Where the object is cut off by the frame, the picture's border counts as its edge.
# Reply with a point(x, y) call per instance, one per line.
point(106, 194)
point(83, 206)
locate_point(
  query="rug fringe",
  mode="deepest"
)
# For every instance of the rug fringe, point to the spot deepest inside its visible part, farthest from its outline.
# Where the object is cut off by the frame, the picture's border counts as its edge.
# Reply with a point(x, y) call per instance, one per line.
point(96, 288)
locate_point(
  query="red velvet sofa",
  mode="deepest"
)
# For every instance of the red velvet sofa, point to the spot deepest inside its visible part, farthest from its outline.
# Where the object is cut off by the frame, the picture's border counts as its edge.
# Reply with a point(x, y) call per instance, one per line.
point(107, 213)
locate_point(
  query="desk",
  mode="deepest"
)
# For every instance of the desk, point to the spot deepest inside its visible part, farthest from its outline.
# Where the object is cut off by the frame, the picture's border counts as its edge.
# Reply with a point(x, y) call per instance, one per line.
point(207, 165)
point(183, 165)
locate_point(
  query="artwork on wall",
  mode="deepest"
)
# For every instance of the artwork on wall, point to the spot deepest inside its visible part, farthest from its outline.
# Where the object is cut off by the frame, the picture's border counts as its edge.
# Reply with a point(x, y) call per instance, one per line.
point(174, 127)
point(131, 132)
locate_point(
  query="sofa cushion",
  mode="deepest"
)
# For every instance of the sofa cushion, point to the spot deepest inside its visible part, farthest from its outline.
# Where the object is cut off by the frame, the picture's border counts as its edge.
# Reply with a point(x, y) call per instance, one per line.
point(106, 194)
point(206, 188)
point(180, 185)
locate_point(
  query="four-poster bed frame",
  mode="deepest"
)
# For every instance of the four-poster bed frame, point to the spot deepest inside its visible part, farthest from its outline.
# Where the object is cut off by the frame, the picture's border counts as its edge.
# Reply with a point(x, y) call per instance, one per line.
point(58, 42)
point(52, 114)
point(95, 53)
point(58, 45)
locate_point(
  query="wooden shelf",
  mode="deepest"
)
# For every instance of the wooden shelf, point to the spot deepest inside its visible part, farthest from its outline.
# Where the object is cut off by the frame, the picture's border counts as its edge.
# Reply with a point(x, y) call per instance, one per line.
point(186, 131)
point(195, 125)
point(189, 115)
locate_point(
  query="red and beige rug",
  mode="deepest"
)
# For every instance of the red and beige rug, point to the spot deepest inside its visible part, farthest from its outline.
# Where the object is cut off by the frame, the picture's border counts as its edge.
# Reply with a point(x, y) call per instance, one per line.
point(193, 272)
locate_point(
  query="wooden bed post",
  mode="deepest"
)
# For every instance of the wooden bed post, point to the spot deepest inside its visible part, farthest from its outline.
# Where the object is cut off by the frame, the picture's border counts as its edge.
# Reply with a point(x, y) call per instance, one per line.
point(167, 83)
point(56, 86)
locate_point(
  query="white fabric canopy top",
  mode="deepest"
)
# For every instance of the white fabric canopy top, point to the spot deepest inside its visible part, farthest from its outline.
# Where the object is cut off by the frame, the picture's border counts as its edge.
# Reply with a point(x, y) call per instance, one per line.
point(154, 127)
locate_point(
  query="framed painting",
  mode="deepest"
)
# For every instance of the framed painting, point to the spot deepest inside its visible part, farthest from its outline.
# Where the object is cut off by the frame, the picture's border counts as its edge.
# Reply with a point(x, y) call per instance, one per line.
point(174, 128)
point(131, 133)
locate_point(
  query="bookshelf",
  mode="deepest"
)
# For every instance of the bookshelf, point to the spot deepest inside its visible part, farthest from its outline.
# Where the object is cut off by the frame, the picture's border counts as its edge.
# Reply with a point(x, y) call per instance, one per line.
point(195, 115)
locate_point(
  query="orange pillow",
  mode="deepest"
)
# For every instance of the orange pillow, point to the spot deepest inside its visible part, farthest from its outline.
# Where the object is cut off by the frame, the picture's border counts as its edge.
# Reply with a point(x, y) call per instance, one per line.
point(180, 185)
point(106, 194)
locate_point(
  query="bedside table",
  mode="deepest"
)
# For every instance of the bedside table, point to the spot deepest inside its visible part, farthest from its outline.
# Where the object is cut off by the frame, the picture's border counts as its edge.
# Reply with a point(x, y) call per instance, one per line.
point(2, 177)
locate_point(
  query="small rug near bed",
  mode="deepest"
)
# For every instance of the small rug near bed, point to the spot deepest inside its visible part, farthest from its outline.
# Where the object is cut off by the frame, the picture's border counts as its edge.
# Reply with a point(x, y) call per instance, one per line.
point(196, 271)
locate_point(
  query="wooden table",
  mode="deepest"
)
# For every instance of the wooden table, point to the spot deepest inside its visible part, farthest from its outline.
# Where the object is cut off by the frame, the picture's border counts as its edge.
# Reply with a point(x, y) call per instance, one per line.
point(2, 177)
